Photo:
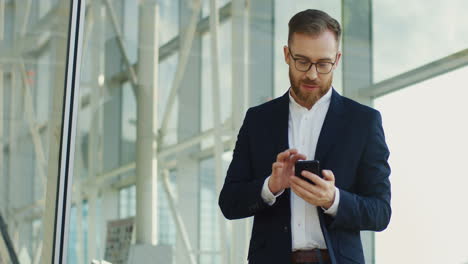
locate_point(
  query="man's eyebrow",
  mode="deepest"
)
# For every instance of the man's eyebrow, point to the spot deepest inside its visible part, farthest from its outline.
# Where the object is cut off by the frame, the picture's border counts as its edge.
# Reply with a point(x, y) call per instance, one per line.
point(305, 57)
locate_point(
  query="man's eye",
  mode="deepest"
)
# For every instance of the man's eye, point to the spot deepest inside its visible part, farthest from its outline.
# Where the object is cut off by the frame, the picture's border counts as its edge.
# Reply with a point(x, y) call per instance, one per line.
point(303, 62)
point(323, 65)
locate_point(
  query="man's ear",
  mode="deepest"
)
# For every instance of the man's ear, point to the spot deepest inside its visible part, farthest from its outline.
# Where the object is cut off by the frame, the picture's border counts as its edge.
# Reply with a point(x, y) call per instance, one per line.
point(338, 59)
point(287, 58)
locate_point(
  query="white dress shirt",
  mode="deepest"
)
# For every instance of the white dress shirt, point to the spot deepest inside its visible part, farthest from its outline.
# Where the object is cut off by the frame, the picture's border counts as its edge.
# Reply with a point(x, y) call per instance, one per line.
point(304, 128)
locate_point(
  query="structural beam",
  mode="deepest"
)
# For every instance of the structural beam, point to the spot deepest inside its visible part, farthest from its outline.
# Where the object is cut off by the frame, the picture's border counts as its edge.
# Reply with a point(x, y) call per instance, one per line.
point(216, 100)
point(147, 122)
point(425, 72)
point(6, 239)
point(240, 231)
point(118, 32)
point(181, 229)
point(188, 37)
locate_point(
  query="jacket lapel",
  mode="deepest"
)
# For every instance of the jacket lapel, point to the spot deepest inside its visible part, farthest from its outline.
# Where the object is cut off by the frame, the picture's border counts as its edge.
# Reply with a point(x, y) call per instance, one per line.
point(281, 123)
point(330, 128)
point(280, 128)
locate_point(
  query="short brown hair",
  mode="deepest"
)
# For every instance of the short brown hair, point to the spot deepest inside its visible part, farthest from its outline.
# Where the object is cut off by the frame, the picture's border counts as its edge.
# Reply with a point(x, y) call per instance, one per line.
point(313, 22)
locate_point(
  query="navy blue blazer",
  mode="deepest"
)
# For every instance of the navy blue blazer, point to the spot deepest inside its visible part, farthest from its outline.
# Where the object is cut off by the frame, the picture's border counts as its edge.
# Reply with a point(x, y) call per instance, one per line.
point(351, 144)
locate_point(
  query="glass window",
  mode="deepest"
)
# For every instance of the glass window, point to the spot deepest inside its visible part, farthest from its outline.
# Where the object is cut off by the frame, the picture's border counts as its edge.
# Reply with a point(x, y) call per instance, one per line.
point(206, 6)
point(31, 83)
point(129, 119)
point(225, 79)
point(209, 224)
point(426, 132)
point(78, 243)
point(168, 20)
point(422, 31)
point(167, 71)
point(127, 202)
point(166, 228)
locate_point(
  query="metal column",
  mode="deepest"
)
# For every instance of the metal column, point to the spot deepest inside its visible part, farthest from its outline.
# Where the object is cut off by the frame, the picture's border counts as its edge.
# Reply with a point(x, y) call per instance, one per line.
point(240, 233)
point(62, 127)
point(95, 35)
point(186, 86)
point(357, 70)
point(147, 125)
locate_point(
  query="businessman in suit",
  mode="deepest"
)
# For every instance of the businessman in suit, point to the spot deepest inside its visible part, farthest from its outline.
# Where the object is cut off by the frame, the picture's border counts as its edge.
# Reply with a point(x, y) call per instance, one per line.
point(295, 221)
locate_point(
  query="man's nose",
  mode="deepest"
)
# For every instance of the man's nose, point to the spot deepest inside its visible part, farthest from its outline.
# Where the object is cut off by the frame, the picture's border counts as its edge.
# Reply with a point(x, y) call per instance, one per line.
point(312, 72)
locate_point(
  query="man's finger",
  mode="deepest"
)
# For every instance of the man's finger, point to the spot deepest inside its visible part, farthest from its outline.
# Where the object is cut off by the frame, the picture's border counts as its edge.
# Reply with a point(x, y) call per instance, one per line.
point(277, 165)
point(328, 175)
point(297, 157)
point(284, 156)
point(314, 178)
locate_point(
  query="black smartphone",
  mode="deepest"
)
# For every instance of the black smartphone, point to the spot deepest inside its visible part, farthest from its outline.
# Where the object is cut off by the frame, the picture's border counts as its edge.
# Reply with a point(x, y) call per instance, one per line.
point(307, 165)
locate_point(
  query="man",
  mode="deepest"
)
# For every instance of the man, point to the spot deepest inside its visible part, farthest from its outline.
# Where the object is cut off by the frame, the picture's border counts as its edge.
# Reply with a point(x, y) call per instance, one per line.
point(320, 222)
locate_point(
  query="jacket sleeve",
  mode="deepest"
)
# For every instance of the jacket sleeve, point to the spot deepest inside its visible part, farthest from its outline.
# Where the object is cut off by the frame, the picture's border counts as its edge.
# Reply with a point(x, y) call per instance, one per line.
point(368, 208)
point(240, 196)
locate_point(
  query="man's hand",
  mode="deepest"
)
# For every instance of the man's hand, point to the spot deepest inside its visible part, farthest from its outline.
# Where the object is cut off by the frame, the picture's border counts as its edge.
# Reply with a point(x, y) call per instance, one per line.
point(321, 194)
point(283, 169)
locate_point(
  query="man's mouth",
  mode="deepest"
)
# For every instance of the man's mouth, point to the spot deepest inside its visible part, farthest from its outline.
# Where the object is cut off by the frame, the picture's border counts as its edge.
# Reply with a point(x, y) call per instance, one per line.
point(310, 86)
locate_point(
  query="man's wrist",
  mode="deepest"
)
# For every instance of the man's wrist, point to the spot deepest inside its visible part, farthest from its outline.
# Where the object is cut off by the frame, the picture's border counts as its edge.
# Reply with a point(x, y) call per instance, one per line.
point(330, 203)
point(272, 188)
point(333, 209)
point(267, 196)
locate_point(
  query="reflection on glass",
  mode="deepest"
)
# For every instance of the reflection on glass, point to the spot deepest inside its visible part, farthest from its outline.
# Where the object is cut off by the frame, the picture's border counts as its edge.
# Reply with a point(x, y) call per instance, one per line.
point(168, 20)
point(167, 71)
point(225, 72)
point(166, 223)
point(209, 224)
point(33, 46)
point(426, 132)
point(422, 31)
point(206, 6)
point(127, 202)
point(129, 118)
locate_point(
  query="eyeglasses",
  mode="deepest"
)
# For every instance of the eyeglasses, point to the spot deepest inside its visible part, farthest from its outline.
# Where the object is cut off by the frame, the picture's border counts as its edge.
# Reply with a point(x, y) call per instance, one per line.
point(304, 65)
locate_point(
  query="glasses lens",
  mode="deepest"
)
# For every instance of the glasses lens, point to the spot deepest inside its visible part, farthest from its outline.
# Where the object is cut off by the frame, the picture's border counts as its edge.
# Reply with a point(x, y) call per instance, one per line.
point(302, 65)
point(324, 67)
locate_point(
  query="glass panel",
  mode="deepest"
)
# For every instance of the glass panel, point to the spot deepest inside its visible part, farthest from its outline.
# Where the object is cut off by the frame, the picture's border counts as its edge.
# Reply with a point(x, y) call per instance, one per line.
point(284, 10)
point(33, 49)
point(225, 72)
point(127, 202)
point(426, 133)
point(402, 42)
point(169, 20)
point(209, 222)
point(167, 71)
point(167, 230)
point(129, 118)
point(206, 6)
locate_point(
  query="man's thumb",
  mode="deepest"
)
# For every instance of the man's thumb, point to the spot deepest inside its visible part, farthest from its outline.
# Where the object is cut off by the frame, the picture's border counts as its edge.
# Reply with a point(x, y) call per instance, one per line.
point(328, 175)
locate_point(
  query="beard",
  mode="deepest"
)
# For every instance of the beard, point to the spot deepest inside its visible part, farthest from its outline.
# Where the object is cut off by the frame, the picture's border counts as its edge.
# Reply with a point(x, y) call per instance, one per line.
point(309, 98)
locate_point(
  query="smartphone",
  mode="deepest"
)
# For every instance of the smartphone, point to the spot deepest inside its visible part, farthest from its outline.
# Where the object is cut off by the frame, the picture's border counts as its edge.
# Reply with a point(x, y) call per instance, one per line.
point(307, 165)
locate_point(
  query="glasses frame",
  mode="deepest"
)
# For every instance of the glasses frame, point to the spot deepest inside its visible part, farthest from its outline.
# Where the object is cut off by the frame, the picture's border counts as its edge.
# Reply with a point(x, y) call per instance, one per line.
point(312, 63)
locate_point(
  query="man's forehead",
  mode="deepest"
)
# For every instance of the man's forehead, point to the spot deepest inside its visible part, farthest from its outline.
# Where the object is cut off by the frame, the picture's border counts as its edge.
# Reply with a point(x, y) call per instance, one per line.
point(323, 44)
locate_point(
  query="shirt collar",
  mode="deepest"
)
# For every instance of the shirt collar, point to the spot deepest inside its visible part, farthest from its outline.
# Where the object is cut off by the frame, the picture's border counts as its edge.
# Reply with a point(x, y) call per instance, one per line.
point(296, 107)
